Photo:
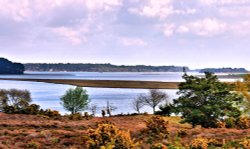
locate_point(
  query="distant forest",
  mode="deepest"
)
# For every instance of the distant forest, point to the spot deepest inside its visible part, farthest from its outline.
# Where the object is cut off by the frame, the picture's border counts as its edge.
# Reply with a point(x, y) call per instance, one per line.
point(101, 68)
point(224, 70)
point(8, 67)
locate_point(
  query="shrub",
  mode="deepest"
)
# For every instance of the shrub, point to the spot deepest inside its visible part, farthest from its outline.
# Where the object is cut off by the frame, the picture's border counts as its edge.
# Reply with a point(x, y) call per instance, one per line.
point(158, 146)
point(156, 129)
point(245, 143)
point(107, 135)
point(243, 122)
point(33, 145)
point(199, 143)
point(230, 122)
point(50, 113)
point(76, 116)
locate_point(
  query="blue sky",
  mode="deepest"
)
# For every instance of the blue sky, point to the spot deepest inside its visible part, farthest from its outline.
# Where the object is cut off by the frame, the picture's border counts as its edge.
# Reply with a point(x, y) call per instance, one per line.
point(194, 33)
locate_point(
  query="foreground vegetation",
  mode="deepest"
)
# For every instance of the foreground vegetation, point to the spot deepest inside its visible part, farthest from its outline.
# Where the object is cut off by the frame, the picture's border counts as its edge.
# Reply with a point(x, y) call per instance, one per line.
point(212, 115)
point(141, 131)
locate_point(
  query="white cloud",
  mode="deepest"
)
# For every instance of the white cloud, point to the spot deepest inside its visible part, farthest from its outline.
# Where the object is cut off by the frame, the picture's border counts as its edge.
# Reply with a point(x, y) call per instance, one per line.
point(133, 42)
point(70, 35)
point(182, 29)
point(106, 5)
point(154, 8)
point(204, 27)
point(235, 11)
point(23, 10)
point(168, 29)
point(240, 28)
point(225, 2)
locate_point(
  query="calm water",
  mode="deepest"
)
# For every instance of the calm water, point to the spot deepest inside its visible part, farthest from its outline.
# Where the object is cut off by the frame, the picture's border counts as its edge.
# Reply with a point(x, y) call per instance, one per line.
point(48, 95)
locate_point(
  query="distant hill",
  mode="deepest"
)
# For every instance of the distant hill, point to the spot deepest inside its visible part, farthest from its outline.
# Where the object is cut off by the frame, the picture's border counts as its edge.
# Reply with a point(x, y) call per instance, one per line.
point(101, 68)
point(224, 70)
point(8, 67)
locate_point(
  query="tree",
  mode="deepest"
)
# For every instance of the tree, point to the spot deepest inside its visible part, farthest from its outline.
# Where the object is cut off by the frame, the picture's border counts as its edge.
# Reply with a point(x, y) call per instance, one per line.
point(93, 109)
point(204, 101)
point(75, 100)
point(154, 98)
point(3, 99)
point(138, 103)
point(243, 88)
point(19, 99)
point(14, 101)
point(110, 108)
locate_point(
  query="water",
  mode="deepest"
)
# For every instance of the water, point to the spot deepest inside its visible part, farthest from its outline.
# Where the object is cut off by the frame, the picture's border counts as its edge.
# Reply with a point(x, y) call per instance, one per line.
point(48, 95)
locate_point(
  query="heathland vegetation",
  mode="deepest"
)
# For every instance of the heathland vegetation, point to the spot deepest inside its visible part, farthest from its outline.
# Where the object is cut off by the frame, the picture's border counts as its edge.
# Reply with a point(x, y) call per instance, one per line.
point(207, 114)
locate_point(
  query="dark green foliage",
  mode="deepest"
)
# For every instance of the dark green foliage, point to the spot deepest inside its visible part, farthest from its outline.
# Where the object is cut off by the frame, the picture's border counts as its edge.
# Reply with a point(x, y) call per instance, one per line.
point(75, 100)
point(203, 101)
point(225, 70)
point(7, 67)
point(165, 110)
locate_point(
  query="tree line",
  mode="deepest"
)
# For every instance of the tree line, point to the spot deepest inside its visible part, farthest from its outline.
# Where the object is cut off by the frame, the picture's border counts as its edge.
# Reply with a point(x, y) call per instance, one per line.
point(100, 68)
point(8, 67)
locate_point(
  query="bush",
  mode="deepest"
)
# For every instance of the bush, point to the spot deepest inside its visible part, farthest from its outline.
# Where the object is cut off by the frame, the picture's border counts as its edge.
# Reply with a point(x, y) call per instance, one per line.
point(158, 146)
point(107, 135)
point(156, 129)
point(76, 116)
point(50, 113)
point(199, 143)
point(243, 122)
point(230, 122)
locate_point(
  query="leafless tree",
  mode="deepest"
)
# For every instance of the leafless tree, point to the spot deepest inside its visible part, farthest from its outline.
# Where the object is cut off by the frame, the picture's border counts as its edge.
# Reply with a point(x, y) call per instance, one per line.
point(93, 109)
point(110, 108)
point(154, 98)
point(138, 103)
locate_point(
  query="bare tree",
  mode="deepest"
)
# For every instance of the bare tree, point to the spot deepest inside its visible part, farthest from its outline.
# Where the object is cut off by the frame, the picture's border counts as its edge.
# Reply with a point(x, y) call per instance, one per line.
point(110, 108)
point(138, 103)
point(154, 98)
point(93, 109)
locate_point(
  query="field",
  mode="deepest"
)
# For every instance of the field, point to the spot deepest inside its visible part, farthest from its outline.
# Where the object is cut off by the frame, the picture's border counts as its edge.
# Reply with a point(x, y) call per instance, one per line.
point(31, 131)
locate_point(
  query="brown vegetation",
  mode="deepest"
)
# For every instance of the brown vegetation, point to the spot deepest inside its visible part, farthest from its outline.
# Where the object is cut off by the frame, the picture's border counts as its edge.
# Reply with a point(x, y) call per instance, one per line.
point(31, 131)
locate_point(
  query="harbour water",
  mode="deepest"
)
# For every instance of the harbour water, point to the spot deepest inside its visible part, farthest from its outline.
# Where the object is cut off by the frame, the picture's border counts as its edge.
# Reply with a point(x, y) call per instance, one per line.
point(48, 95)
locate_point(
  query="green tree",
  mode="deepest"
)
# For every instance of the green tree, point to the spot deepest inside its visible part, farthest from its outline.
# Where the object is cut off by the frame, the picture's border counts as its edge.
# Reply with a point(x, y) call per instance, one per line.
point(75, 100)
point(204, 101)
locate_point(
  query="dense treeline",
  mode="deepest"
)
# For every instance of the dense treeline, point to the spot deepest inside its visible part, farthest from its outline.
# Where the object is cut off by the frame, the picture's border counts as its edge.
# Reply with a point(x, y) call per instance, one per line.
point(101, 68)
point(224, 70)
point(8, 67)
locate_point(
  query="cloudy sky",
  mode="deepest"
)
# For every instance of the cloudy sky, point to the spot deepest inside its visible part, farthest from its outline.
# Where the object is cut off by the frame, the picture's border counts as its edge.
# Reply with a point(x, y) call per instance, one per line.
point(194, 33)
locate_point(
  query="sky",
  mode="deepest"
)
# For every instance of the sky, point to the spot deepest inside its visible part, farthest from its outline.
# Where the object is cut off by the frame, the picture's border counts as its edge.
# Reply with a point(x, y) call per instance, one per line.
point(193, 33)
